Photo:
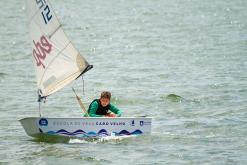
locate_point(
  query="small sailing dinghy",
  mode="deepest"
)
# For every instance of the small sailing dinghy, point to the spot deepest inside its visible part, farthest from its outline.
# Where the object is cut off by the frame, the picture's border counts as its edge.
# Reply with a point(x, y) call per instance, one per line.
point(57, 64)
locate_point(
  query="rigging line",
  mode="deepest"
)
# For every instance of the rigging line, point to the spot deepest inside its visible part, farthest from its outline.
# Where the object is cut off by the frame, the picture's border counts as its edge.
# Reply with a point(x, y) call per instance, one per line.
point(39, 109)
point(83, 86)
point(76, 84)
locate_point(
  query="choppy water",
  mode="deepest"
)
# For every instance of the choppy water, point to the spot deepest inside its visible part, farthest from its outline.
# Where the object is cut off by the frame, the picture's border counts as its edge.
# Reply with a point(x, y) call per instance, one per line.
point(183, 63)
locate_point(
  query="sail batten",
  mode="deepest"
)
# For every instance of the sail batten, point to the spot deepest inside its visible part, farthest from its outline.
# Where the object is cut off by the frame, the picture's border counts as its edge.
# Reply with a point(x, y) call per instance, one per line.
point(60, 26)
point(56, 60)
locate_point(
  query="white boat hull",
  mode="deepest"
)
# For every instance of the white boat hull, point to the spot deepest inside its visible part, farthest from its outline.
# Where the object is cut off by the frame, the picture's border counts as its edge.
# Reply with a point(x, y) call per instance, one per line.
point(86, 127)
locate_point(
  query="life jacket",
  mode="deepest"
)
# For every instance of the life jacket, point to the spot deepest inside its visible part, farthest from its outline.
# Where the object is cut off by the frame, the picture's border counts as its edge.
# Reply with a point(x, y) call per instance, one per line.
point(101, 110)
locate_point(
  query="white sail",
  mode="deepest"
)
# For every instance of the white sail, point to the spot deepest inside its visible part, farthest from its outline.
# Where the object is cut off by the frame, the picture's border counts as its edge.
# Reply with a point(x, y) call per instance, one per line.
point(56, 60)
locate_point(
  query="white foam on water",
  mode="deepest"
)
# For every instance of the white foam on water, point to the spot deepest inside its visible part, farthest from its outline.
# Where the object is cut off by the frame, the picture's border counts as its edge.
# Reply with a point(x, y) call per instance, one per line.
point(114, 138)
point(111, 138)
point(78, 141)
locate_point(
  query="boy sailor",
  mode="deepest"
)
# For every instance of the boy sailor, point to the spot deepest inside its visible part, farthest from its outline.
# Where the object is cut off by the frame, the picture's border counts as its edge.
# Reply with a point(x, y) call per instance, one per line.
point(103, 108)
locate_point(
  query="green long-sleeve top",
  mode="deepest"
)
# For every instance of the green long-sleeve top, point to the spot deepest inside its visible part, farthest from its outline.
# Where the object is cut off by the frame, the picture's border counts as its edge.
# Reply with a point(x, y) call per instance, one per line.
point(94, 107)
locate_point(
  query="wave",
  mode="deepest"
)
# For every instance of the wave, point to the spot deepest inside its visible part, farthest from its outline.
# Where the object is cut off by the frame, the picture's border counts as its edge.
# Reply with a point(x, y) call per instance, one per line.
point(2, 74)
point(100, 133)
point(174, 98)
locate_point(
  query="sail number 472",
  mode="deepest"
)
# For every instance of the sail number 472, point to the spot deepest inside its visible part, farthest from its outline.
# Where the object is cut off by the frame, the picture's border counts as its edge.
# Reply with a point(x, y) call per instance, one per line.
point(46, 13)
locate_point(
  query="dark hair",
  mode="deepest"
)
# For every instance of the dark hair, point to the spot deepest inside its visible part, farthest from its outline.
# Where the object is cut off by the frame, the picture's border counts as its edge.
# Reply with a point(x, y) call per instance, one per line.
point(106, 95)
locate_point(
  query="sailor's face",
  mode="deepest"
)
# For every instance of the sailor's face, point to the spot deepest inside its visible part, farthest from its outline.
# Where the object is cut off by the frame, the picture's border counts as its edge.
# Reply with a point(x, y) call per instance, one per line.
point(104, 102)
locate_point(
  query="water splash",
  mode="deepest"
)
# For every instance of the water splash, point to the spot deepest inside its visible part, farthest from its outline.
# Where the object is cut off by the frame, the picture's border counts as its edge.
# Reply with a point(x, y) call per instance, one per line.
point(78, 141)
point(114, 138)
point(106, 139)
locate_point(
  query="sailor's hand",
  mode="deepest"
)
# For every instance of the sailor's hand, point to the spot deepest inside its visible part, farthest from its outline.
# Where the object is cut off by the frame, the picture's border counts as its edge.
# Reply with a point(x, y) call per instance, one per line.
point(85, 115)
point(110, 115)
